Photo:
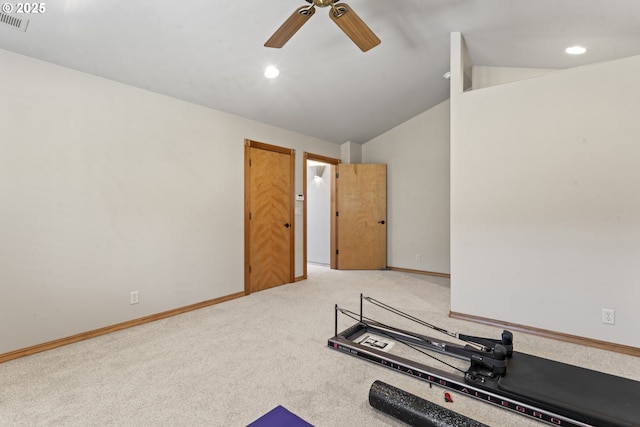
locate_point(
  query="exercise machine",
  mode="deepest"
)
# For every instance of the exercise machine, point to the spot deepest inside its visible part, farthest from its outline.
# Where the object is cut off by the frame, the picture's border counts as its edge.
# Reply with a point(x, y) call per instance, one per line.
point(488, 369)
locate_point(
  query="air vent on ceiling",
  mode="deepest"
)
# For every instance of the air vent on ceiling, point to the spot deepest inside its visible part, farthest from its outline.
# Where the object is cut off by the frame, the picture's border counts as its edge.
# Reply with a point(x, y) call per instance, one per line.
point(13, 22)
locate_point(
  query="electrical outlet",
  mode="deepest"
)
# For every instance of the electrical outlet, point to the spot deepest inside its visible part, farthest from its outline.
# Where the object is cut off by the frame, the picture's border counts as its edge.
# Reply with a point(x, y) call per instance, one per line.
point(417, 257)
point(133, 297)
point(608, 316)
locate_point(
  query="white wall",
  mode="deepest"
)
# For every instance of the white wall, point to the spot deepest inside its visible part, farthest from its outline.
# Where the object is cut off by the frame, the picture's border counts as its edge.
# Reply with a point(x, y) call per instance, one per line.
point(483, 76)
point(417, 156)
point(351, 152)
point(105, 189)
point(545, 214)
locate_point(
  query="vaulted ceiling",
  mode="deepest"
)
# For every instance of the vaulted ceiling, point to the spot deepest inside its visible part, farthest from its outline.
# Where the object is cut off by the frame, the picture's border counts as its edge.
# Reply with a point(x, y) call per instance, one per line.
point(211, 52)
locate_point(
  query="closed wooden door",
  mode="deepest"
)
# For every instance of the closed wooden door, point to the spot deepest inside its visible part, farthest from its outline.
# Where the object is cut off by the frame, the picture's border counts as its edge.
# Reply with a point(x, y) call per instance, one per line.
point(361, 219)
point(269, 223)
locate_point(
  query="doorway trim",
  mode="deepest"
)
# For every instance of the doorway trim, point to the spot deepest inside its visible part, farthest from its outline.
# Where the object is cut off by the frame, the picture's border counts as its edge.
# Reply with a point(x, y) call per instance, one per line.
point(248, 144)
point(333, 162)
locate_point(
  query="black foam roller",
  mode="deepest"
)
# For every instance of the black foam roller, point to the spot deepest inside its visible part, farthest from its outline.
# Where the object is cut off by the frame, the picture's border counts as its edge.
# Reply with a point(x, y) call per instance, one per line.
point(414, 410)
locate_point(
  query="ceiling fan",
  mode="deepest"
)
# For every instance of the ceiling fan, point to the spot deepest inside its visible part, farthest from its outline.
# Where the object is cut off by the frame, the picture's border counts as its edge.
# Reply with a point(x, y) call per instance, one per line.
point(340, 13)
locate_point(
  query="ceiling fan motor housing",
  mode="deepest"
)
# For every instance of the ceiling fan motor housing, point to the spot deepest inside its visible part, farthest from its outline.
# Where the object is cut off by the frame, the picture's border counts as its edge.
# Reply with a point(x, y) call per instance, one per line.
point(322, 3)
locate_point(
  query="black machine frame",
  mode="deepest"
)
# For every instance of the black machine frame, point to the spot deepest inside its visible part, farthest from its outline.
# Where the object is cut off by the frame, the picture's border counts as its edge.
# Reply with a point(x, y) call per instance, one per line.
point(489, 363)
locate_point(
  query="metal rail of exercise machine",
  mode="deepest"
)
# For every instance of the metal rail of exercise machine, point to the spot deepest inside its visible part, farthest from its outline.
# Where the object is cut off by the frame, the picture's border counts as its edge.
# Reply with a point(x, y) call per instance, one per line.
point(552, 392)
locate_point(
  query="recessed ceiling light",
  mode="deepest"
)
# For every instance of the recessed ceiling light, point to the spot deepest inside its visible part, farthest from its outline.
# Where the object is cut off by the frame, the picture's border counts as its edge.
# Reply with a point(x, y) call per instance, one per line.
point(575, 50)
point(271, 72)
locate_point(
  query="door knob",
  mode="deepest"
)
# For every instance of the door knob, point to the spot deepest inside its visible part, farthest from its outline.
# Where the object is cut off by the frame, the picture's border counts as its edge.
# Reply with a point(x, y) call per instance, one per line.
point(381, 222)
point(287, 225)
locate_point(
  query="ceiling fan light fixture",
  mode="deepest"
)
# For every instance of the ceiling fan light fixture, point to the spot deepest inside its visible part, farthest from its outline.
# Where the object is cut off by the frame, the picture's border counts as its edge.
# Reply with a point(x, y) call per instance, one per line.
point(575, 50)
point(271, 72)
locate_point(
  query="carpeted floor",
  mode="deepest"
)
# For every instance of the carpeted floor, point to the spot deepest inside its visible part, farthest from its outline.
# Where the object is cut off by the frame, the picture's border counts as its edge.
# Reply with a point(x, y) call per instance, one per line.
point(229, 364)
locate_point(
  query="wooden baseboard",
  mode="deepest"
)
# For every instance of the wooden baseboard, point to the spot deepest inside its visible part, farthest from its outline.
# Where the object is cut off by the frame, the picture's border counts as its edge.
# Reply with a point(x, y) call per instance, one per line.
point(108, 329)
point(426, 273)
point(560, 336)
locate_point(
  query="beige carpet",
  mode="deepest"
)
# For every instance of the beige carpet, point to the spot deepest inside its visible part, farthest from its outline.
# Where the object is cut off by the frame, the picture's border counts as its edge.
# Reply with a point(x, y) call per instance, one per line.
point(229, 364)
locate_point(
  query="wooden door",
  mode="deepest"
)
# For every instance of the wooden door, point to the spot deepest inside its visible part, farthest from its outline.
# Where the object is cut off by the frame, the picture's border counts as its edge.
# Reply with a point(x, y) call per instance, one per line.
point(269, 235)
point(361, 216)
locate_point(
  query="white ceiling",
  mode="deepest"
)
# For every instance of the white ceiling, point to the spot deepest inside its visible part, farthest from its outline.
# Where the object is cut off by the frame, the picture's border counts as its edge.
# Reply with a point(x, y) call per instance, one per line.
point(211, 52)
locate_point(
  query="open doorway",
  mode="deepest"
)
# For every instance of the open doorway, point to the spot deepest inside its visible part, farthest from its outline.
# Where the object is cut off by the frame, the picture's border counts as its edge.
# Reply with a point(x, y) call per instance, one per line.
point(319, 213)
point(318, 177)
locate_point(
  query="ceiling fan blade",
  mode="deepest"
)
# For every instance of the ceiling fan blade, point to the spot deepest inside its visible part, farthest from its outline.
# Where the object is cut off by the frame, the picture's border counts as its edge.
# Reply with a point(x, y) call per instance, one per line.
point(354, 27)
point(290, 26)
